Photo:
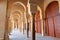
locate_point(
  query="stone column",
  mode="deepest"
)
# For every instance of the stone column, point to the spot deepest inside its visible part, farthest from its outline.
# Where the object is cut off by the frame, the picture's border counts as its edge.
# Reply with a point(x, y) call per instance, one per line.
point(9, 25)
point(33, 9)
point(6, 37)
point(43, 22)
point(27, 25)
point(19, 23)
point(12, 23)
point(23, 23)
point(33, 27)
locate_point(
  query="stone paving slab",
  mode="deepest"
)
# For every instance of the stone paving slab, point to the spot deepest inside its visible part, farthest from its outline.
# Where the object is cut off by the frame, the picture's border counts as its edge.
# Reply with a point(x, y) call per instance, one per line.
point(16, 35)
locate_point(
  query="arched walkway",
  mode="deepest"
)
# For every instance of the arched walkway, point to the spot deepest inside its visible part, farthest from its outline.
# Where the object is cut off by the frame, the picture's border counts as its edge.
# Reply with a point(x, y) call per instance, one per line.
point(17, 13)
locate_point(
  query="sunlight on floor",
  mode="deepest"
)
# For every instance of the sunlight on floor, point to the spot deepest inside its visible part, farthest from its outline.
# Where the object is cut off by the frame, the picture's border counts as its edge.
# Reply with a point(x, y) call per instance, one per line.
point(17, 35)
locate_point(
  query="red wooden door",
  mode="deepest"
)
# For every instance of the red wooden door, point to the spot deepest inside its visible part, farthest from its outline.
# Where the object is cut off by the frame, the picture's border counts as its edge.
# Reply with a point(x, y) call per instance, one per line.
point(38, 22)
point(53, 19)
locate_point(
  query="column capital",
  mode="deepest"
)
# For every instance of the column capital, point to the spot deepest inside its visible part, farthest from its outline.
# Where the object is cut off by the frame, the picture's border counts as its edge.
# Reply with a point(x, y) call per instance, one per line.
point(32, 2)
point(33, 8)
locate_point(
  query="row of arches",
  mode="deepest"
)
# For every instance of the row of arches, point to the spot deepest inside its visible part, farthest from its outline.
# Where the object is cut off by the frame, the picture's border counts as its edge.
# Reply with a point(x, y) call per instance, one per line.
point(51, 19)
point(52, 23)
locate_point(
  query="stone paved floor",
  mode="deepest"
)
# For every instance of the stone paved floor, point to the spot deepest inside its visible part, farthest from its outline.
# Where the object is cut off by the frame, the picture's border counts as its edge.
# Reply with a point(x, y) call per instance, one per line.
point(16, 35)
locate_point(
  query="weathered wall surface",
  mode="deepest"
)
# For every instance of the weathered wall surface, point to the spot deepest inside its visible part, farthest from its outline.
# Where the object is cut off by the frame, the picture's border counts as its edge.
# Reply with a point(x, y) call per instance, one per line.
point(2, 18)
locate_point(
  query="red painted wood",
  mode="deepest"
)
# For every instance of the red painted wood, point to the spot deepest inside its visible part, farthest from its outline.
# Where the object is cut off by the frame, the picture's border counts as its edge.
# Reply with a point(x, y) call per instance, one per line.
point(38, 22)
point(51, 28)
point(47, 27)
point(53, 19)
point(57, 26)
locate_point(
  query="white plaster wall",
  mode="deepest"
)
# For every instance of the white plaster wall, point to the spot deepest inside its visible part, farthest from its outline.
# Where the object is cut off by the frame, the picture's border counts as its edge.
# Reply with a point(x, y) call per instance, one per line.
point(2, 18)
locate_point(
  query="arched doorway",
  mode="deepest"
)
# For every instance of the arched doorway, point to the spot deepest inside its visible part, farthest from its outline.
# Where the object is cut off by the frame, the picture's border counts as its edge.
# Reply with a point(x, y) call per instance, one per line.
point(52, 19)
point(38, 22)
point(14, 6)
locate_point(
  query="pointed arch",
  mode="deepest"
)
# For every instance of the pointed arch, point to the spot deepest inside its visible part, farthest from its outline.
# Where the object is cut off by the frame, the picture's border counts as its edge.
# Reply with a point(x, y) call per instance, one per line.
point(52, 19)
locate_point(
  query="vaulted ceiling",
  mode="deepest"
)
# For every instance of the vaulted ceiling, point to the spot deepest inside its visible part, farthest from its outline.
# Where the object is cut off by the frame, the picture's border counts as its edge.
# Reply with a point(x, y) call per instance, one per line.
point(20, 6)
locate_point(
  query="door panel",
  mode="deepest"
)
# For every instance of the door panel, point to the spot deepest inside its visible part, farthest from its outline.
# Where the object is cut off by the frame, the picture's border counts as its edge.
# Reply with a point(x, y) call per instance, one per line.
point(53, 19)
point(38, 22)
point(51, 26)
point(57, 26)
